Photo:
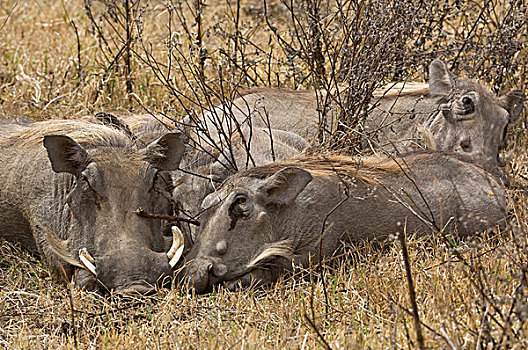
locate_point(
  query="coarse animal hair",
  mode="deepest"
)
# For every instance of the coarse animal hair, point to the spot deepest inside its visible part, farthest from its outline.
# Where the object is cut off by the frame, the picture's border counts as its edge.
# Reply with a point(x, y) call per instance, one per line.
point(366, 169)
point(402, 89)
point(282, 249)
point(94, 135)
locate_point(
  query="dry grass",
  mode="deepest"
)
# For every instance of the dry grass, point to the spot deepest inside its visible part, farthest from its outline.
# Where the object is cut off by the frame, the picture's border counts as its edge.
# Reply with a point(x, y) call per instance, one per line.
point(367, 306)
point(480, 302)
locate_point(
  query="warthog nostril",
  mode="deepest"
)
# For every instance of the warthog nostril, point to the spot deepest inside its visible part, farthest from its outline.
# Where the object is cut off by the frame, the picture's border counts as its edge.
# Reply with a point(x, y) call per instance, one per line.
point(219, 270)
point(221, 247)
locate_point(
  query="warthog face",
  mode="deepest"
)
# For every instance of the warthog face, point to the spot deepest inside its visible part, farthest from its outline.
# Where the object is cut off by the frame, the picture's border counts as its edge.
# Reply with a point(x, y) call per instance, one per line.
point(237, 244)
point(209, 168)
point(124, 251)
point(476, 121)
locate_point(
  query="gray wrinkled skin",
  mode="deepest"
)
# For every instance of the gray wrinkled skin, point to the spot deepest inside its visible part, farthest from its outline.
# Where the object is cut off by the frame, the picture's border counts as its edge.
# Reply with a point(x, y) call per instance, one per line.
point(67, 185)
point(262, 219)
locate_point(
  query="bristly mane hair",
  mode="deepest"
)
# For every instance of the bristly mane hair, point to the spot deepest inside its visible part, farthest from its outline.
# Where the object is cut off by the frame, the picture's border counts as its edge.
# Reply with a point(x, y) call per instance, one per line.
point(84, 132)
point(414, 88)
point(402, 89)
point(365, 169)
point(281, 91)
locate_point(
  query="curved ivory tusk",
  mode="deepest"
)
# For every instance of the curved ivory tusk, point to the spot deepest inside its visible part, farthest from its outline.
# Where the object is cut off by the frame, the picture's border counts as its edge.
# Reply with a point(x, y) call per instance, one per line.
point(87, 260)
point(177, 241)
point(176, 251)
point(176, 257)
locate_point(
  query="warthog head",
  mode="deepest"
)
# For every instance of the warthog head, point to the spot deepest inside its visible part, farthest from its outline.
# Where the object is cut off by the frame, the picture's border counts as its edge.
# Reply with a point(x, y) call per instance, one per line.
point(237, 244)
point(122, 251)
point(477, 121)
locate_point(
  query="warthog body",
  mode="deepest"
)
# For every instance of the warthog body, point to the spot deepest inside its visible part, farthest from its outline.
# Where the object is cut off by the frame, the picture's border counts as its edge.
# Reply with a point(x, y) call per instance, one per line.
point(67, 186)
point(263, 218)
point(447, 114)
point(12, 124)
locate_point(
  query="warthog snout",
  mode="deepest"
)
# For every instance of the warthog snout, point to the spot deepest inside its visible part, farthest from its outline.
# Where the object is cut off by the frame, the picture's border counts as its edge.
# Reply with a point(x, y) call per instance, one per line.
point(138, 271)
point(203, 273)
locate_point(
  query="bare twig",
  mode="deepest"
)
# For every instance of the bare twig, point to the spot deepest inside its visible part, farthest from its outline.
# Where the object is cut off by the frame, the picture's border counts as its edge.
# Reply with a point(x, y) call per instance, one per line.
point(412, 292)
point(144, 214)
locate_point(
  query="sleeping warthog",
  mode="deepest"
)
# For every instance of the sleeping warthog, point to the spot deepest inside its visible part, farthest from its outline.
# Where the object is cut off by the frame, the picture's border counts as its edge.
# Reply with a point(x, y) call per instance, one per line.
point(261, 219)
point(447, 114)
point(73, 199)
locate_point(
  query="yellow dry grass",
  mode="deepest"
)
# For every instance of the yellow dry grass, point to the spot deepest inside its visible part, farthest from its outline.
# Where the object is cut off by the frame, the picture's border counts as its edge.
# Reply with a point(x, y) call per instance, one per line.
point(479, 304)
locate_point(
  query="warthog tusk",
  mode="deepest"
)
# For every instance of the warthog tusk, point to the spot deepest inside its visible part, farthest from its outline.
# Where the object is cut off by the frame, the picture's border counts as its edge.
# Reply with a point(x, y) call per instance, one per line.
point(177, 241)
point(176, 251)
point(87, 260)
point(176, 257)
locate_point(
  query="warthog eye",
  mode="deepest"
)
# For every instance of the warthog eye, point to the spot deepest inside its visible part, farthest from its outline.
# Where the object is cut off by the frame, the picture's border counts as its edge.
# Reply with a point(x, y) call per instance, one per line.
point(238, 209)
point(466, 145)
point(469, 105)
point(240, 199)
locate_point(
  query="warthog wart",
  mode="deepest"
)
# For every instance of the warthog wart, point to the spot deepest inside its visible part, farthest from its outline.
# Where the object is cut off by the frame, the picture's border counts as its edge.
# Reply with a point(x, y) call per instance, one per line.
point(262, 219)
point(69, 191)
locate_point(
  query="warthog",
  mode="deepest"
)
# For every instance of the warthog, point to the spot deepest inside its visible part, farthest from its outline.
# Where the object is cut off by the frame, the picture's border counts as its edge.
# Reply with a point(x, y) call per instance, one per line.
point(447, 114)
point(11, 124)
point(262, 219)
point(69, 191)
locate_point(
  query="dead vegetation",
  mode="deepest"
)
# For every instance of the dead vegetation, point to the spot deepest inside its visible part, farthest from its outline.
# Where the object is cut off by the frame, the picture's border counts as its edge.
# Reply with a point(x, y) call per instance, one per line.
point(66, 59)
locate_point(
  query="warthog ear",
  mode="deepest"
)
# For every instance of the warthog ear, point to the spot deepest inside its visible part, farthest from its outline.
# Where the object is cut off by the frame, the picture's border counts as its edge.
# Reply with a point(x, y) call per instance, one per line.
point(65, 154)
point(166, 152)
point(284, 186)
point(513, 102)
point(441, 80)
